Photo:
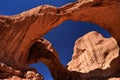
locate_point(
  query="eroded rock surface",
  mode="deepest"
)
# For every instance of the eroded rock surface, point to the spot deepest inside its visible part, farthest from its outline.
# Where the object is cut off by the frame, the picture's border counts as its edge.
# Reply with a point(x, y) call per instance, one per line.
point(30, 75)
point(9, 73)
point(43, 51)
point(94, 58)
point(19, 32)
point(95, 55)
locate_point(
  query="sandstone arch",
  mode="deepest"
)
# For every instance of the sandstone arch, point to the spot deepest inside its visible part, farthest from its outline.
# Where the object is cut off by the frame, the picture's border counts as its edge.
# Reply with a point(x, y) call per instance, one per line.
point(19, 32)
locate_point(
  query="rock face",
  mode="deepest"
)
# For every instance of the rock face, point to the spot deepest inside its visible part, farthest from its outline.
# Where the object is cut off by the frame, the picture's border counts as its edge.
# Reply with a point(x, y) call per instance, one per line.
point(19, 32)
point(43, 51)
point(27, 27)
point(95, 55)
point(10, 73)
point(30, 75)
point(6, 71)
point(94, 58)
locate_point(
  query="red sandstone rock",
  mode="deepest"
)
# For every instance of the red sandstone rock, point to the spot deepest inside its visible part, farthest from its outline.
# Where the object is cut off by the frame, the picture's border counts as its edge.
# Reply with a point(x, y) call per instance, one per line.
point(25, 28)
point(30, 75)
point(94, 58)
point(43, 51)
point(19, 32)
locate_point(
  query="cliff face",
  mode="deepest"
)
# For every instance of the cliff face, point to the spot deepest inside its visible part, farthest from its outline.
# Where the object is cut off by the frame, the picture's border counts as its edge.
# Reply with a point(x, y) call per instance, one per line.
point(25, 28)
point(19, 32)
point(95, 55)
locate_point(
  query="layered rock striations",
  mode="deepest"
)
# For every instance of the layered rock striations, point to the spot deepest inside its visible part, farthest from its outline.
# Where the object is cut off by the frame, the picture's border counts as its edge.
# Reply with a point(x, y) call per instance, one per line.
point(19, 32)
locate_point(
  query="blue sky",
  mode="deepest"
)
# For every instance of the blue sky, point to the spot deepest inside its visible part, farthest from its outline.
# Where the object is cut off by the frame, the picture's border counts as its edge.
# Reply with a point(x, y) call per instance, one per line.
point(62, 37)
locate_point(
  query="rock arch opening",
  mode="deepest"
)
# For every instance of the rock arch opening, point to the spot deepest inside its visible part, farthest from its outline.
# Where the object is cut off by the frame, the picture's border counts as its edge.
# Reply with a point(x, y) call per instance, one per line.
point(64, 36)
point(42, 69)
point(75, 11)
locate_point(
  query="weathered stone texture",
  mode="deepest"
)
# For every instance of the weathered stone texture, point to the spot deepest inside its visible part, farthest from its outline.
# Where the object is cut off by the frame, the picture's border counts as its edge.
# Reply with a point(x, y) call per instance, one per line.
point(18, 34)
point(95, 55)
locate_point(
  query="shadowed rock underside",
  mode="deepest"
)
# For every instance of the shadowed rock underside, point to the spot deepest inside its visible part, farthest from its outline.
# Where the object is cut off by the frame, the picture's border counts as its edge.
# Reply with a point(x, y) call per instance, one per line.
point(19, 33)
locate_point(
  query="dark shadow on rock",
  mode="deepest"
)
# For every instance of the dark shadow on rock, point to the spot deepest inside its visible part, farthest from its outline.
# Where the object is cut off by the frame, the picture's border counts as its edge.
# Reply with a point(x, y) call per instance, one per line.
point(39, 51)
